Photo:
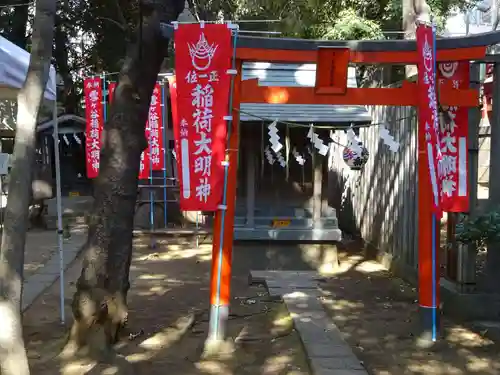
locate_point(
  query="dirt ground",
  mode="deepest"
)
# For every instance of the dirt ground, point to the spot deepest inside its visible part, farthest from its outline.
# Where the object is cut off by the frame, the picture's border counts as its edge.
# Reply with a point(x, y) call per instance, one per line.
point(168, 284)
point(378, 315)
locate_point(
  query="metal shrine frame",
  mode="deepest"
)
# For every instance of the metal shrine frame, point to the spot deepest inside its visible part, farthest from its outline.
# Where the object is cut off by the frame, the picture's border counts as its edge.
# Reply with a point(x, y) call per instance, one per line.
point(332, 59)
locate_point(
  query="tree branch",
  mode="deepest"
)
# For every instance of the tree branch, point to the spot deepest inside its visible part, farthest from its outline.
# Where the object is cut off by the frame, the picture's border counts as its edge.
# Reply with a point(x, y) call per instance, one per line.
point(118, 24)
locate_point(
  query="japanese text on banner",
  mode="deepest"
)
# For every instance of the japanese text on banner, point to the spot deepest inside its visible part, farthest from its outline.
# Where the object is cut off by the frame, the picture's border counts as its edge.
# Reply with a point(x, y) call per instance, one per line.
point(428, 110)
point(202, 59)
point(155, 139)
point(453, 135)
point(94, 123)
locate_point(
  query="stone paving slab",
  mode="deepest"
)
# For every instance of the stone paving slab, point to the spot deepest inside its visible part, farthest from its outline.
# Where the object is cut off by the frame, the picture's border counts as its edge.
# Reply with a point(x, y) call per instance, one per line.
point(327, 351)
point(266, 276)
point(39, 281)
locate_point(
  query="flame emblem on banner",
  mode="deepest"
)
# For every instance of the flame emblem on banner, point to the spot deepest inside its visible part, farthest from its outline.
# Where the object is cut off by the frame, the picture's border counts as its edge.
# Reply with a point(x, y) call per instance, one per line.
point(448, 69)
point(427, 53)
point(202, 53)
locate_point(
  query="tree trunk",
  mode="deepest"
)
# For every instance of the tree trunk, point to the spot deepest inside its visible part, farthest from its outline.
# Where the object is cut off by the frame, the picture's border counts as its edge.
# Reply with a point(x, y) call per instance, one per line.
point(413, 10)
point(99, 304)
point(13, 360)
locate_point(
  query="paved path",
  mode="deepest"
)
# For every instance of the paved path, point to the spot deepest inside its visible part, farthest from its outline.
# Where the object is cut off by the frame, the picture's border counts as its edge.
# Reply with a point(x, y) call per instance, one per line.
point(42, 254)
point(325, 348)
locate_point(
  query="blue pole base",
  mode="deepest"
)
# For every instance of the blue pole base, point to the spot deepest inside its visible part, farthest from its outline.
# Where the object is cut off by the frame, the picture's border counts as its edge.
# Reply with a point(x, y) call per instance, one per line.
point(430, 326)
point(215, 344)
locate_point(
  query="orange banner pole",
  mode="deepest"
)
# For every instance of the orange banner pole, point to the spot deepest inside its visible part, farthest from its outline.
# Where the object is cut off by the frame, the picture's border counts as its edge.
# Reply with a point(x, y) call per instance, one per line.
point(426, 285)
point(223, 231)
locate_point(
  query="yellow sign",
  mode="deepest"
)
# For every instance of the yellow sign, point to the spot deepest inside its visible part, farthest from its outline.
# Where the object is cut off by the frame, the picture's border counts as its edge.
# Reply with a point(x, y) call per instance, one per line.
point(281, 223)
point(74, 194)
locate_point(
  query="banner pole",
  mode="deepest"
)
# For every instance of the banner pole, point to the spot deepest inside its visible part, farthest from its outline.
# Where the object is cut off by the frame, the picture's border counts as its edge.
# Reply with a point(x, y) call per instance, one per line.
point(223, 230)
point(434, 218)
point(165, 148)
point(428, 198)
point(151, 195)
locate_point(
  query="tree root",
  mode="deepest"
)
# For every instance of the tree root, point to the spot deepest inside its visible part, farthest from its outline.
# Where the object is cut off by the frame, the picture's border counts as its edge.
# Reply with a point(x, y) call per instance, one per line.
point(99, 319)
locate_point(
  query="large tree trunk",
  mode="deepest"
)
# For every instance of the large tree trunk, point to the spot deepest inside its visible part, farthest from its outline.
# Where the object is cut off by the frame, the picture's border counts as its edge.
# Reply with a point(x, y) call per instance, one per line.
point(413, 10)
point(99, 305)
point(13, 360)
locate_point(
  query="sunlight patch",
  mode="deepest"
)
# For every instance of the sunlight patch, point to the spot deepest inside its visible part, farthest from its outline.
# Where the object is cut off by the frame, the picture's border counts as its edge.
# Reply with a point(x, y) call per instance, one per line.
point(139, 357)
point(212, 367)
point(370, 266)
point(152, 277)
point(276, 364)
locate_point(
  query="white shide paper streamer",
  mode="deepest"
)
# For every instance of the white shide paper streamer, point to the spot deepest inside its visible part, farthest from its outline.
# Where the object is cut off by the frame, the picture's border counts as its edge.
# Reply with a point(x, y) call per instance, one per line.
point(317, 142)
point(274, 138)
point(388, 139)
point(269, 156)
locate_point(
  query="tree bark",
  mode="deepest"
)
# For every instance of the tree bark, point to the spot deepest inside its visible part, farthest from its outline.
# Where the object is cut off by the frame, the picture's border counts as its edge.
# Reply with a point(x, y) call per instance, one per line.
point(99, 304)
point(13, 360)
point(413, 10)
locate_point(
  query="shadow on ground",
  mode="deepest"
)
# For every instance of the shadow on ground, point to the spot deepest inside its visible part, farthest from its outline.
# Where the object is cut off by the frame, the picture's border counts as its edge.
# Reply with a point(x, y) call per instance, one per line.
point(168, 305)
point(378, 316)
point(376, 312)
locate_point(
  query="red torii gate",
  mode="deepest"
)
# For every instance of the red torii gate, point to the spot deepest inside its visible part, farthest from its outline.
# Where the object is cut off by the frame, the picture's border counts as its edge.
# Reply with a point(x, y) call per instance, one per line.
point(332, 59)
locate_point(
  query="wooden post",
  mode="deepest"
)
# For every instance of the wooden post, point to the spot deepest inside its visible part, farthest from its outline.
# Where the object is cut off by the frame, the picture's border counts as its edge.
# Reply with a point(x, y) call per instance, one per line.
point(223, 235)
point(250, 191)
point(317, 187)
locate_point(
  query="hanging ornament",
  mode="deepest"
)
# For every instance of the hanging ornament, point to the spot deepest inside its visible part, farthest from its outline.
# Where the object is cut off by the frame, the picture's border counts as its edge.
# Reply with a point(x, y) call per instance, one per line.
point(174, 154)
point(66, 140)
point(269, 156)
point(353, 141)
point(280, 159)
point(355, 160)
point(274, 138)
point(298, 157)
point(388, 139)
point(355, 155)
point(77, 139)
point(317, 142)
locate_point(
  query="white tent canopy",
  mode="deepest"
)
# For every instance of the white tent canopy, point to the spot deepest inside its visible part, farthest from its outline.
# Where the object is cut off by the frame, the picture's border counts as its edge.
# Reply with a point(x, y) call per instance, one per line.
point(14, 62)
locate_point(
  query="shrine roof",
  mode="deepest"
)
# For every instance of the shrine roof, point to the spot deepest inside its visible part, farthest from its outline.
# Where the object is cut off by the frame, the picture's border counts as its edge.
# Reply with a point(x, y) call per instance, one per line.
point(475, 40)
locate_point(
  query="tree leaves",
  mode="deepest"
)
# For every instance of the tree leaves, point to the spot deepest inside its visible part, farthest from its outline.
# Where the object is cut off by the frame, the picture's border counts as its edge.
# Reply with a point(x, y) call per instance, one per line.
point(481, 230)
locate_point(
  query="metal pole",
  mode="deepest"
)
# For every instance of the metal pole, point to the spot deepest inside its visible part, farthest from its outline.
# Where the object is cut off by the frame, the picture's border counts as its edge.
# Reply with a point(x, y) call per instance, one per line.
point(494, 183)
point(151, 193)
point(165, 151)
point(474, 120)
point(60, 233)
point(219, 309)
point(197, 229)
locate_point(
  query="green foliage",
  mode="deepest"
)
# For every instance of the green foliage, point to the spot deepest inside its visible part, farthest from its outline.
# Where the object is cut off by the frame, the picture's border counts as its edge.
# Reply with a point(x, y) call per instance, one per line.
point(481, 230)
point(350, 26)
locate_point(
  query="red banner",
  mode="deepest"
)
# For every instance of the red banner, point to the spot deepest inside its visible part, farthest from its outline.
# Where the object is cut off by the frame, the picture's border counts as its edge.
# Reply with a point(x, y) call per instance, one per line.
point(156, 130)
point(144, 167)
point(453, 134)
point(172, 85)
point(202, 60)
point(153, 133)
point(428, 121)
point(94, 116)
